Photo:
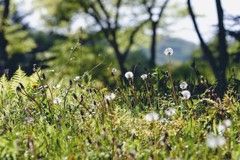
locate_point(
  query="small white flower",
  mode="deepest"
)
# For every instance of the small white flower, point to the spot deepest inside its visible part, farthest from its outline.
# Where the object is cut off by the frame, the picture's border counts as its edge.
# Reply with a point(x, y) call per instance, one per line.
point(76, 78)
point(144, 76)
point(170, 111)
point(186, 94)
point(214, 141)
point(57, 100)
point(168, 51)
point(110, 96)
point(183, 85)
point(163, 120)
point(227, 123)
point(221, 140)
point(57, 86)
point(114, 70)
point(29, 119)
point(221, 128)
point(153, 116)
point(129, 75)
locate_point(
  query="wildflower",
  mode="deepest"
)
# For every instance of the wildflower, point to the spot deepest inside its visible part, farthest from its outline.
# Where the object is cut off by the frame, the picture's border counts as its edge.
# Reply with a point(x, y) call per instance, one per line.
point(170, 111)
point(57, 86)
point(227, 123)
point(163, 120)
point(129, 75)
point(186, 94)
point(57, 100)
point(42, 87)
point(35, 85)
point(221, 128)
point(153, 116)
point(183, 85)
point(214, 141)
point(168, 51)
point(110, 96)
point(29, 119)
point(114, 70)
point(76, 78)
point(144, 76)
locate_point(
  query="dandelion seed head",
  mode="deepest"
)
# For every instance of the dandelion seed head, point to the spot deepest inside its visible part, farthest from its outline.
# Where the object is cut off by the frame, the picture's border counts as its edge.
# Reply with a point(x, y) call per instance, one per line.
point(129, 75)
point(57, 100)
point(114, 70)
point(153, 116)
point(76, 78)
point(110, 96)
point(170, 111)
point(227, 123)
point(214, 141)
point(163, 120)
point(221, 128)
point(57, 86)
point(168, 51)
point(183, 85)
point(144, 76)
point(185, 94)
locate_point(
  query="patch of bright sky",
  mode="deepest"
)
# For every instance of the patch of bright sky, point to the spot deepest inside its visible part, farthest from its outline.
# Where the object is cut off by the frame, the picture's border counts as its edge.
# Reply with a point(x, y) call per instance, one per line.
point(207, 9)
point(182, 28)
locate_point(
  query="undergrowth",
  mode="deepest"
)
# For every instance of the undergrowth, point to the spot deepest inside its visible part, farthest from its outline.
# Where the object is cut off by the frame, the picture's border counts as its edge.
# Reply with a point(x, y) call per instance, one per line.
point(147, 117)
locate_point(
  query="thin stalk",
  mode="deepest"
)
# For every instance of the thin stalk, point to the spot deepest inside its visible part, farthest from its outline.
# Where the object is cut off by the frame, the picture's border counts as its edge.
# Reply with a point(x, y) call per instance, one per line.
point(173, 87)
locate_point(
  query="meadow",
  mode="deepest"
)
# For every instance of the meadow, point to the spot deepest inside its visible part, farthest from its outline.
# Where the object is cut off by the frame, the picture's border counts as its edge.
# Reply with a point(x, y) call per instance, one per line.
point(148, 116)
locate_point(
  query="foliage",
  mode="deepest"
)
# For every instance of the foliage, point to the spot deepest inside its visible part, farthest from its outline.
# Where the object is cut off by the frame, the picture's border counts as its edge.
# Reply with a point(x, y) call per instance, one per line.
point(16, 34)
point(42, 119)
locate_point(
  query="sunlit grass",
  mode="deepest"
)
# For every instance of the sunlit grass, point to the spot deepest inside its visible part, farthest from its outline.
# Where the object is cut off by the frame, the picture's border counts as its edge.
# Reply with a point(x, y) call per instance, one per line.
point(138, 119)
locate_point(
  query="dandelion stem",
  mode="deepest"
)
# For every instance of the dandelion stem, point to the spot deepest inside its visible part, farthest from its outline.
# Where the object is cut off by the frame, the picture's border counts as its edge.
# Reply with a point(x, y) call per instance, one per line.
point(173, 87)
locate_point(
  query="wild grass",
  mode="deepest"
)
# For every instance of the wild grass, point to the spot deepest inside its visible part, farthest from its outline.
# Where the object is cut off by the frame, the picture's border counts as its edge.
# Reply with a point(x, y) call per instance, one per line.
point(137, 118)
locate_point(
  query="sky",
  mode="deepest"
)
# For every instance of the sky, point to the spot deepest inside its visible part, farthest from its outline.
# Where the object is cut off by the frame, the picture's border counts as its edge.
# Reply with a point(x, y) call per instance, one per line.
point(182, 28)
point(207, 8)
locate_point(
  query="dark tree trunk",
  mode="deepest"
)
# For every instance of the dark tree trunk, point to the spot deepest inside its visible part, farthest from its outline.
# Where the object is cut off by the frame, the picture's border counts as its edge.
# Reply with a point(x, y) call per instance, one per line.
point(222, 49)
point(3, 40)
point(153, 45)
point(218, 65)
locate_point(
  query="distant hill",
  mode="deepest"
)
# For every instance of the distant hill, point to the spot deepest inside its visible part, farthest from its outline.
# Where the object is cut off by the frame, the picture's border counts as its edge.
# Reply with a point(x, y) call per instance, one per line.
point(182, 50)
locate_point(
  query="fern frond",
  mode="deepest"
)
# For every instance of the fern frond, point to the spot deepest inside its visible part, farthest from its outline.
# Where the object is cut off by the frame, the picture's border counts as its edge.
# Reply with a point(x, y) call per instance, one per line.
point(4, 88)
point(18, 77)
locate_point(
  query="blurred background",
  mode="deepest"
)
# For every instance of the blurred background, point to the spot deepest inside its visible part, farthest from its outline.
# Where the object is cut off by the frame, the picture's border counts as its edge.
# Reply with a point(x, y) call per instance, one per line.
point(69, 37)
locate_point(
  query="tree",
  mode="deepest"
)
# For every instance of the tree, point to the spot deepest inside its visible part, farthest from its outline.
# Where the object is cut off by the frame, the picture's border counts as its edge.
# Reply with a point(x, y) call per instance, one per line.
point(109, 24)
point(14, 38)
point(218, 63)
point(5, 4)
point(154, 21)
point(108, 16)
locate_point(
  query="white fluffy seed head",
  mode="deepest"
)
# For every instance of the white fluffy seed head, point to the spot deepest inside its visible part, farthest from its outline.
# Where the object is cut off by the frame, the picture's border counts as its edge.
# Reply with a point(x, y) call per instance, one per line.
point(129, 75)
point(168, 51)
point(183, 85)
point(144, 76)
point(153, 116)
point(185, 94)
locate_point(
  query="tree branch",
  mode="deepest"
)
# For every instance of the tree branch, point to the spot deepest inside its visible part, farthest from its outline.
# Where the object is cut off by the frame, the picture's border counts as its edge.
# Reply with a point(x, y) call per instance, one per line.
point(117, 13)
point(131, 39)
point(222, 44)
point(162, 9)
point(206, 51)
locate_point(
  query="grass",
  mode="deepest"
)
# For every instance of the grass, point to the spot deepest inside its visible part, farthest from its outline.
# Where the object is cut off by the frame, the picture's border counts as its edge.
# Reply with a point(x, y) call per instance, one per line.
point(39, 120)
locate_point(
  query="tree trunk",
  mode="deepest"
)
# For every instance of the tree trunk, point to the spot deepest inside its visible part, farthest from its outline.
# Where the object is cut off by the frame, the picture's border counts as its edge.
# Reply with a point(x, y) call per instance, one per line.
point(153, 45)
point(3, 40)
point(222, 49)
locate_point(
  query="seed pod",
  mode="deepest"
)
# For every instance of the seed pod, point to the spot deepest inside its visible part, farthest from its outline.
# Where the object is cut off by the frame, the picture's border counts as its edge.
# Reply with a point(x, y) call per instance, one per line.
point(75, 96)
point(70, 82)
point(18, 89)
point(21, 85)
point(43, 76)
